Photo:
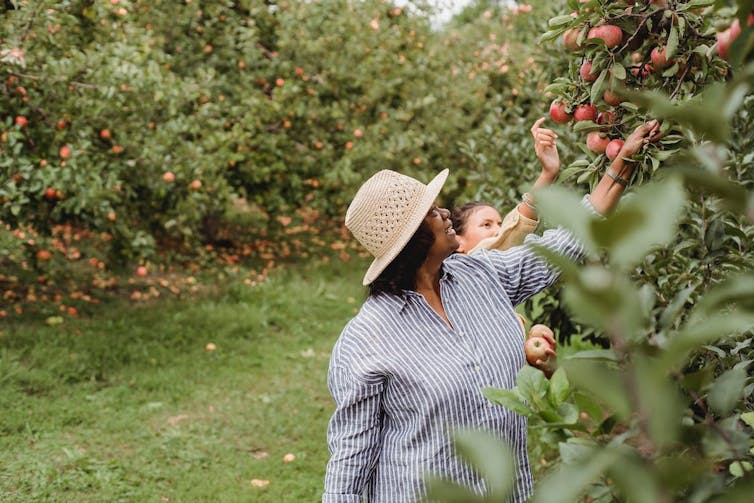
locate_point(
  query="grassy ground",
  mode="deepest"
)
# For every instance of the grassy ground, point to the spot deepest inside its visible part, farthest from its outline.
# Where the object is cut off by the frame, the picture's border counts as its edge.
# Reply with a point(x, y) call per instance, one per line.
point(128, 405)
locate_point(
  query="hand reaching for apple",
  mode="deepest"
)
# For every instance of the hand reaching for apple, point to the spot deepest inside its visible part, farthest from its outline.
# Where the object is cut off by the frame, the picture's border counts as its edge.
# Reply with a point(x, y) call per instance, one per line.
point(646, 133)
point(545, 148)
point(540, 349)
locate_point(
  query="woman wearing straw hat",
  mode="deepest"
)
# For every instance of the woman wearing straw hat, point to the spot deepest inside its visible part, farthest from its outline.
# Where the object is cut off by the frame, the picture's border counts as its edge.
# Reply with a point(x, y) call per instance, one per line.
point(436, 328)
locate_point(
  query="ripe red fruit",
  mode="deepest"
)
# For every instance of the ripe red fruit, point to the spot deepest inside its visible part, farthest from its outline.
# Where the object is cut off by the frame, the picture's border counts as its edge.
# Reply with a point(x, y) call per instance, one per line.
point(65, 152)
point(61, 124)
point(558, 112)
point(659, 58)
point(726, 37)
point(168, 177)
point(606, 118)
point(49, 193)
point(536, 348)
point(613, 149)
point(570, 39)
point(612, 35)
point(596, 143)
point(611, 98)
point(585, 113)
point(141, 271)
point(642, 70)
point(43, 255)
point(21, 121)
point(540, 330)
point(195, 185)
point(586, 72)
point(105, 134)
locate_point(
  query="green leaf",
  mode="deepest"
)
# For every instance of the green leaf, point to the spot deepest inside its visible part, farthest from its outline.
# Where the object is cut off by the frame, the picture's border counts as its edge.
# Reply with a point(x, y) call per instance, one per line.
point(569, 481)
point(559, 21)
point(595, 354)
point(619, 71)
point(597, 86)
point(491, 458)
point(603, 382)
point(509, 398)
point(637, 480)
point(672, 45)
point(559, 387)
point(697, 333)
point(561, 206)
point(532, 384)
point(643, 222)
point(670, 313)
point(737, 289)
point(748, 418)
point(727, 390)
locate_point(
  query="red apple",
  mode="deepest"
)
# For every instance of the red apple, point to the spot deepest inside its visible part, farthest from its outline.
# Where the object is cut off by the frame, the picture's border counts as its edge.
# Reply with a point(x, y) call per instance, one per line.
point(105, 134)
point(613, 149)
point(61, 124)
point(540, 330)
point(586, 72)
point(726, 37)
point(537, 349)
point(195, 185)
point(659, 58)
point(611, 98)
point(141, 271)
point(585, 113)
point(606, 118)
point(168, 177)
point(596, 143)
point(21, 121)
point(570, 39)
point(612, 35)
point(43, 255)
point(65, 152)
point(558, 112)
point(49, 193)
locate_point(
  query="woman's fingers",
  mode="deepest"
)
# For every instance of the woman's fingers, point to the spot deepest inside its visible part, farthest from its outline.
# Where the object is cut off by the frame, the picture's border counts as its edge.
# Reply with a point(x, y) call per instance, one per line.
point(537, 124)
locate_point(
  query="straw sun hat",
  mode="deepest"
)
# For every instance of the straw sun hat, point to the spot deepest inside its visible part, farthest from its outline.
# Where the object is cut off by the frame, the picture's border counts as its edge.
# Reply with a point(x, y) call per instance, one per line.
point(386, 211)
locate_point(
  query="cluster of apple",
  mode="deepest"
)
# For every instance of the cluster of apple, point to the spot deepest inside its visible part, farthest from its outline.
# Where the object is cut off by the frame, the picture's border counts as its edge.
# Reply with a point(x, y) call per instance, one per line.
point(630, 45)
point(540, 348)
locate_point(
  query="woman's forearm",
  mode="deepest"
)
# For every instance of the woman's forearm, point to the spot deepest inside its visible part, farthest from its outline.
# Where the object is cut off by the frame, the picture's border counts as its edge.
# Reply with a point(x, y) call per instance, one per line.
point(544, 179)
point(608, 191)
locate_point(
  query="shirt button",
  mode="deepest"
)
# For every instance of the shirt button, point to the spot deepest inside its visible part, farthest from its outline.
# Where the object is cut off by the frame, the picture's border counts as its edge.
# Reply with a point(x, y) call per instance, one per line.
point(490, 404)
point(477, 368)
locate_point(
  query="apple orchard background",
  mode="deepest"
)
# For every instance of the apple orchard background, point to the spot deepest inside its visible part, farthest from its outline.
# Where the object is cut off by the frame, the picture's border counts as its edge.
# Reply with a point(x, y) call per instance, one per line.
point(143, 143)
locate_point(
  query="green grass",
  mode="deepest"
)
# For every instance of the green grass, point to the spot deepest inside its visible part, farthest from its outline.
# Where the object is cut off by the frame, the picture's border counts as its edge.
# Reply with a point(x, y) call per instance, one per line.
point(128, 406)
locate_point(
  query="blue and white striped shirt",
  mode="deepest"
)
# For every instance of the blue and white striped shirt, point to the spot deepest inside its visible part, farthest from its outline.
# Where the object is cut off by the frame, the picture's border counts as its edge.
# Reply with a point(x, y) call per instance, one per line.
point(403, 380)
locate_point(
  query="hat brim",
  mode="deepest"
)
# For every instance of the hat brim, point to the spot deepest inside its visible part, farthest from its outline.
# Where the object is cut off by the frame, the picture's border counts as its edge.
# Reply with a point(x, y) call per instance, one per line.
point(412, 224)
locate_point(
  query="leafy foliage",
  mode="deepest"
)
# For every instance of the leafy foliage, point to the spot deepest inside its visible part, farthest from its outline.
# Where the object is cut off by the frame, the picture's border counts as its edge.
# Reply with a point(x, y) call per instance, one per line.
point(662, 413)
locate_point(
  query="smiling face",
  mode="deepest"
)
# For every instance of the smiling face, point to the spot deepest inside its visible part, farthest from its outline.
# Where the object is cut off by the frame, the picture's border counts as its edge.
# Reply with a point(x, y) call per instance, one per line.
point(438, 221)
point(482, 222)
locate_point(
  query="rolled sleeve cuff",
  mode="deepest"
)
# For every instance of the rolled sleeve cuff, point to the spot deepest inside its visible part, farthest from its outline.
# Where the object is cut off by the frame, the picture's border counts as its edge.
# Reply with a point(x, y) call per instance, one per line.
point(340, 498)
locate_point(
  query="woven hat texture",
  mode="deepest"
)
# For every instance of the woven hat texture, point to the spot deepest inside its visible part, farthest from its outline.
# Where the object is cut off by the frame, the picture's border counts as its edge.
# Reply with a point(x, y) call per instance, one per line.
point(386, 211)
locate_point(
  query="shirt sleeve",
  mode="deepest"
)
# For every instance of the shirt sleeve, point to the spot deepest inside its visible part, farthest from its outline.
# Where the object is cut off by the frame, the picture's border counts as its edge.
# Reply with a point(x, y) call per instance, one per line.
point(524, 273)
point(352, 435)
point(512, 233)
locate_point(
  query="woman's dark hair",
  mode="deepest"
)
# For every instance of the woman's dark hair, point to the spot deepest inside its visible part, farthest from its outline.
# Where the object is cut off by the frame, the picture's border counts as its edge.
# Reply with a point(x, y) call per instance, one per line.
point(400, 274)
point(460, 216)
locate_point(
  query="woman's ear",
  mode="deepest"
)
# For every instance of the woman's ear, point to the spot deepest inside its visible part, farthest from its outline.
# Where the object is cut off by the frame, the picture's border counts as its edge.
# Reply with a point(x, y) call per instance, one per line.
point(461, 245)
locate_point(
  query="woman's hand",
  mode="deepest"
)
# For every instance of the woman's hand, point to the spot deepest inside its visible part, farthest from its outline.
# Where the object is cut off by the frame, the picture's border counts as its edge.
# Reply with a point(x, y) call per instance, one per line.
point(642, 135)
point(540, 349)
point(546, 149)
